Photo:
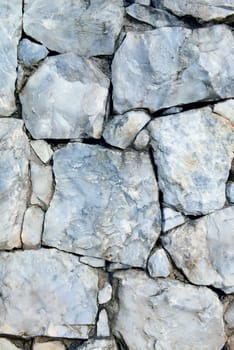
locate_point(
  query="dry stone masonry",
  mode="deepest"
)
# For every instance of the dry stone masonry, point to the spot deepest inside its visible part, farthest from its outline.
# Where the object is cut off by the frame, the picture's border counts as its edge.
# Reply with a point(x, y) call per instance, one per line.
point(117, 175)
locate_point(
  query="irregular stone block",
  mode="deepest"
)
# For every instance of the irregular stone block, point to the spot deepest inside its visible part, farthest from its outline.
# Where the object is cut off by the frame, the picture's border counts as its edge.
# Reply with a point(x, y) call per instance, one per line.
point(193, 153)
point(229, 316)
point(95, 262)
point(14, 181)
point(83, 27)
point(103, 329)
point(230, 192)
point(159, 264)
point(30, 53)
point(204, 249)
point(98, 344)
point(42, 184)
point(47, 292)
point(225, 109)
point(52, 345)
point(173, 66)
point(32, 228)
point(105, 204)
point(154, 314)
point(171, 219)
point(142, 140)
point(42, 149)
point(105, 293)
point(6, 344)
point(65, 98)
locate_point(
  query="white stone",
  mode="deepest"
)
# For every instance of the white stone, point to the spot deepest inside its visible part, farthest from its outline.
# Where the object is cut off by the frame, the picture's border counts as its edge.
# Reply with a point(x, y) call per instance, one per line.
point(52, 345)
point(42, 149)
point(142, 140)
point(159, 264)
point(103, 329)
point(171, 218)
point(105, 294)
point(230, 192)
point(95, 262)
point(121, 130)
point(47, 292)
point(30, 53)
point(65, 99)
point(143, 2)
point(42, 184)
point(204, 249)
point(6, 344)
point(32, 228)
point(99, 344)
point(225, 109)
point(14, 181)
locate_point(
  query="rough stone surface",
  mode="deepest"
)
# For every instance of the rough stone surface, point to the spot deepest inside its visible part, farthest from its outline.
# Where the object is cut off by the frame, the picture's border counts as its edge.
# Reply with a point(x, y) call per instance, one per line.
point(105, 204)
point(143, 2)
point(99, 344)
point(225, 109)
point(193, 163)
point(42, 184)
point(204, 249)
point(10, 31)
point(121, 130)
point(32, 228)
point(142, 140)
point(172, 66)
point(203, 10)
point(88, 28)
point(52, 345)
point(14, 181)
point(229, 316)
point(60, 302)
point(30, 53)
point(65, 98)
point(6, 344)
point(104, 294)
point(230, 192)
point(159, 264)
point(154, 314)
point(103, 329)
point(171, 219)
point(42, 150)
point(95, 262)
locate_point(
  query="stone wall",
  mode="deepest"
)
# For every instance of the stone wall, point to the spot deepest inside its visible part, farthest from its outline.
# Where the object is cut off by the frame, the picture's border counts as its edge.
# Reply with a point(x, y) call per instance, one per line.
point(117, 180)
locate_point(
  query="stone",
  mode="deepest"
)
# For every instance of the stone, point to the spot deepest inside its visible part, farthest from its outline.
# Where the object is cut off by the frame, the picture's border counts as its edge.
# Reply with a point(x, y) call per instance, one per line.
point(83, 27)
point(42, 184)
point(95, 262)
point(20, 78)
point(166, 67)
point(30, 53)
point(154, 314)
point(230, 343)
point(59, 294)
point(204, 249)
point(121, 130)
point(111, 267)
point(203, 11)
point(143, 2)
point(32, 228)
point(42, 149)
point(14, 181)
point(229, 316)
point(105, 294)
point(193, 163)
point(98, 344)
point(103, 329)
point(225, 109)
point(51, 345)
point(65, 99)
point(105, 204)
point(155, 17)
point(159, 264)
point(10, 32)
point(142, 140)
point(230, 192)
point(6, 344)
point(171, 219)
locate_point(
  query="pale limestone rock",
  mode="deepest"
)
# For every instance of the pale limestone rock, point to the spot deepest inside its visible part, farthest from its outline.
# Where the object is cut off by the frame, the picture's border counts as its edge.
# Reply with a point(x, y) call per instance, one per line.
point(52, 345)
point(32, 228)
point(225, 109)
point(95, 262)
point(143, 2)
point(105, 204)
point(230, 192)
point(104, 294)
point(142, 140)
point(166, 67)
point(171, 218)
point(167, 314)
point(30, 53)
point(121, 130)
point(47, 292)
point(42, 149)
point(6, 344)
point(204, 249)
point(65, 99)
point(99, 344)
point(88, 28)
point(193, 162)
point(103, 329)
point(42, 184)
point(10, 32)
point(159, 264)
point(14, 181)
point(229, 316)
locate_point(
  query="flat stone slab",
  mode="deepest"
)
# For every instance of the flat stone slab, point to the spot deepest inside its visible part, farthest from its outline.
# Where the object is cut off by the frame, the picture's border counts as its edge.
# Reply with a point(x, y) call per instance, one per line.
point(105, 204)
point(47, 292)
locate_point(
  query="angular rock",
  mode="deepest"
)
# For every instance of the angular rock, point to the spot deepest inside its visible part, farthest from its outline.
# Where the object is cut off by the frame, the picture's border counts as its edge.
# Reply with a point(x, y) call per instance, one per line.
point(193, 152)
point(42, 149)
point(117, 266)
point(122, 129)
point(225, 109)
point(32, 228)
point(51, 345)
point(203, 10)
point(30, 53)
point(20, 77)
point(229, 316)
point(143, 2)
point(98, 344)
point(159, 264)
point(83, 27)
point(42, 184)
point(142, 140)
point(10, 32)
point(204, 249)
point(105, 204)
point(165, 309)
point(230, 192)
point(171, 219)
point(65, 98)
point(173, 66)
point(95, 262)
point(103, 329)
point(6, 344)
point(104, 294)
point(14, 181)
point(61, 301)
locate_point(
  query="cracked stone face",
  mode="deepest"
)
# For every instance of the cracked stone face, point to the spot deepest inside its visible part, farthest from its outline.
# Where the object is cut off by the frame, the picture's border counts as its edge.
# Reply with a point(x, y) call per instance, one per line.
point(105, 204)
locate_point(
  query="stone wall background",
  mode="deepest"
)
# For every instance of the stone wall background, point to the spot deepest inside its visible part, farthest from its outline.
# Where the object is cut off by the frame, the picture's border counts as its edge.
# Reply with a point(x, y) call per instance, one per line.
point(117, 175)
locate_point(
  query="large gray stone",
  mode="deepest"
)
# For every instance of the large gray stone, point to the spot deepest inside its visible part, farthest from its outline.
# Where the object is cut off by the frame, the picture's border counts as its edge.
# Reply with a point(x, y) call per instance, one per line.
point(203, 10)
point(30, 53)
point(46, 292)
point(193, 152)
point(173, 66)
point(105, 204)
point(14, 181)
point(167, 314)
point(204, 249)
point(10, 32)
point(86, 27)
point(65, 98)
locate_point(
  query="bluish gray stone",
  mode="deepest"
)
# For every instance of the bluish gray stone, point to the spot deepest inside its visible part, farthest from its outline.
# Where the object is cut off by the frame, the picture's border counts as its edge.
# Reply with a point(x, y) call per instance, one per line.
point(30, 53)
